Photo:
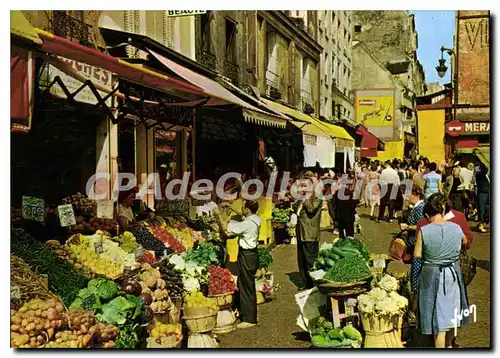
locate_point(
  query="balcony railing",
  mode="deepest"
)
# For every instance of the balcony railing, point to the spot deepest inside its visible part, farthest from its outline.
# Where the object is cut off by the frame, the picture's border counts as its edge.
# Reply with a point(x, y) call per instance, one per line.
point(71, 28)
point(207, 59)
point(231, 71)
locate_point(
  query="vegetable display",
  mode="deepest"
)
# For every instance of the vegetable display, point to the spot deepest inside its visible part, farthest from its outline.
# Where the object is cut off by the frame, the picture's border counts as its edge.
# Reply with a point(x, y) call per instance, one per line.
point(93, 224)
point(265, 258)
point(127, 337)
point(197, 300)
point(348, 269)
point(26, 285)
point(282, 215)
point(160, 330)
point(127, 242)
point(220, 281)
point(354, 243)
point(382, 299)
point(203, 254)
point(63, 279)
point(324, 335)
point(82, 204)
point(184, 236)
point(167, 238)
point(121, 309)
point(147, 240)
point(153, 291)
point(172, 278)
point(94, 295)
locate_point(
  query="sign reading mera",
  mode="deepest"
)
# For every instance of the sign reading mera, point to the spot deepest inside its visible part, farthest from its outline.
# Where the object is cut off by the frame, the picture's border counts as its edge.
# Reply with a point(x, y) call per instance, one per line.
point(477, 127)
point(176, 13)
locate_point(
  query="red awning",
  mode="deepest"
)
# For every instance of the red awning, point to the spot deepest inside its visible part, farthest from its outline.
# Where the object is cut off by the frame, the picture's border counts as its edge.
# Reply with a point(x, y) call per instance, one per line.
point(466, 143)
point(72, 50)
point(21, 87)
point(368, 153)
point(369, 140)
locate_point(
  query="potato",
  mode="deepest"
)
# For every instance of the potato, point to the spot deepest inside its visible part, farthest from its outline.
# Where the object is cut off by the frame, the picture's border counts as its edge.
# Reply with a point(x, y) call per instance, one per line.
point(39, 327)
point(24, 322)
point(23, 309)
point(15, 327)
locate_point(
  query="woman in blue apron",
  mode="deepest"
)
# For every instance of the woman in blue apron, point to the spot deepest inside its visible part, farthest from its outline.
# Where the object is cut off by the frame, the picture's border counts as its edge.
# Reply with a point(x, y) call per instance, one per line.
point(441, 290)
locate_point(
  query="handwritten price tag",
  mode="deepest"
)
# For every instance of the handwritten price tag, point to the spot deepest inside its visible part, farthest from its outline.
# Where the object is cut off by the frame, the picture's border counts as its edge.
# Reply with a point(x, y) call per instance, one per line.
point(33, 208)
point(66, 215)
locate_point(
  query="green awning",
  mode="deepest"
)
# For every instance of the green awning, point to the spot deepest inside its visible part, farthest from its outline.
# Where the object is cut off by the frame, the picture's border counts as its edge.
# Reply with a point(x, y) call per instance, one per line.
point(20, 26)
point(464, 150)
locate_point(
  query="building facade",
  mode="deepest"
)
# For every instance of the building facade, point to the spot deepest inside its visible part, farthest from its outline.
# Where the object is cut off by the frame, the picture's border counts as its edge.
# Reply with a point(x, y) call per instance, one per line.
point(335, 36)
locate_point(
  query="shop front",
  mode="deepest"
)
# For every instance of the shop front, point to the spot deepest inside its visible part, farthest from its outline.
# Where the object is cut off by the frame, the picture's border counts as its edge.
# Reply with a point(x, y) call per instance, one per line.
point(468, 137)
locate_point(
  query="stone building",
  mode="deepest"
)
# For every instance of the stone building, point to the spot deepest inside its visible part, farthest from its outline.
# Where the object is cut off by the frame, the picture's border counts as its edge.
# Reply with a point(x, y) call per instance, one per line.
point(335, 36)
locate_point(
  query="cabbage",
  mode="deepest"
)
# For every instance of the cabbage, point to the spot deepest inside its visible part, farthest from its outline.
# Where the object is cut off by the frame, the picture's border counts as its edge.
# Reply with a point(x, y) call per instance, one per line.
point(388, 283)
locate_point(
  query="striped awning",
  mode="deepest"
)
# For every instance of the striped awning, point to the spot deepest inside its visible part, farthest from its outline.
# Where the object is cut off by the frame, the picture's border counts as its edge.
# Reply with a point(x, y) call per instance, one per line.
point(263, 119)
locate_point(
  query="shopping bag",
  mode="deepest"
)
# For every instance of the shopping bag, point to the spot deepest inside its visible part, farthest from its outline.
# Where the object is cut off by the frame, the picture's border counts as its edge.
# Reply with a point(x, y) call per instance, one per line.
point(467, 266)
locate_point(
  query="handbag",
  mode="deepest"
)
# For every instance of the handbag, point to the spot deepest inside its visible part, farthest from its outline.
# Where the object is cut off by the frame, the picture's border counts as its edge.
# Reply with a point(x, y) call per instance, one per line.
point(398, 248)
point(467, 266)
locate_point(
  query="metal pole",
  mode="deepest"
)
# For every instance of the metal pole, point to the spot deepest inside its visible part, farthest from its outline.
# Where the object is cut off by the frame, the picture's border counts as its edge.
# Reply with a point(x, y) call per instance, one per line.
point(193, 146)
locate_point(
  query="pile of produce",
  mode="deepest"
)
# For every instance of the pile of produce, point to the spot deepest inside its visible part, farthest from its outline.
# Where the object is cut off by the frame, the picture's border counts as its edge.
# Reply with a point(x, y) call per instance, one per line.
point(220, 281)
point(122, 309)
point(127, 242)
point(127, 337)
point(185, 236)
point(25, 284)
point(94, 295)
point(167, 238)
point(159, 331)
point(324, 335)
point(348, 269)
point(147, 240)
point(93, 224)
point(63, 279)
point(205, 223)
point(172, 278)
point(172, 208)
point(265, 258)
point(82, 205)
point(193, 275)
point(153, 291)
point(354, 243)
point(197, 300)
point(203, 254)
point(383, 298)
point(282, 215)
point(109, 263)
point(35, 323)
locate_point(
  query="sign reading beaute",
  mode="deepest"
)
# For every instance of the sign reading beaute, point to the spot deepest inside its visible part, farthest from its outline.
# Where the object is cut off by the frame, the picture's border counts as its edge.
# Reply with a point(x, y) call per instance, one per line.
point(177, 13)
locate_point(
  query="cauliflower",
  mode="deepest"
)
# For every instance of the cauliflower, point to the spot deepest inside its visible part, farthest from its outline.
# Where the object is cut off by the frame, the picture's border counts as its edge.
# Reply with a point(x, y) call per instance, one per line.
point(190, 284)
point(399, 300)
point(377, 294)
point(191, 268)
point(388, 283)
point(386, 306)
point(178, 261)
point(366, 303)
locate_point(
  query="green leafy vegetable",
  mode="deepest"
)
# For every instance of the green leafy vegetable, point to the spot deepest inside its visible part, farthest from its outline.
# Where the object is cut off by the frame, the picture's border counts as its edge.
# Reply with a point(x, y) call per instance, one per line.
point(349, 269)
point(121, 309)
point(355, 243)
point(204, 254)
point(104, 288)
point(127, 337)
point(265, 258)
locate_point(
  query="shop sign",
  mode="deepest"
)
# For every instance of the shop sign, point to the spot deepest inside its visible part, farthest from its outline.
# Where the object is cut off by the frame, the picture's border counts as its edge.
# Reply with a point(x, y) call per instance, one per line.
point(66, 215)
point(477, 127)
point(310, 139)
point(178, 13)
point(105, 209)
point(455, 128)
point(95, 74)
point(33, 208)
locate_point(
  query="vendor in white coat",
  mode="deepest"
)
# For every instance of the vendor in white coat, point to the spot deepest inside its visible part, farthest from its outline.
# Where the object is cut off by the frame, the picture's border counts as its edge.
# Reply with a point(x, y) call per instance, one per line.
point(247, 232)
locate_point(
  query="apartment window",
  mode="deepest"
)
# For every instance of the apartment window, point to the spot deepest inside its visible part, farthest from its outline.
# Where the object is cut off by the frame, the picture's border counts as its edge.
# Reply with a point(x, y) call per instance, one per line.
point(333, 17)
point(357, 29)
point(230, 39)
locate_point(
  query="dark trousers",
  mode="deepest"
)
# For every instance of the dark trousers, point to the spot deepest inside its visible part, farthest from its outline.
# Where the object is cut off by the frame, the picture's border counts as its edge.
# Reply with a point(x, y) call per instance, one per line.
point(456, 202)
point(248, 261)
point(387, 202)
point(307, 252)
point(482, 200)
point(331, 211)
point(346, 228)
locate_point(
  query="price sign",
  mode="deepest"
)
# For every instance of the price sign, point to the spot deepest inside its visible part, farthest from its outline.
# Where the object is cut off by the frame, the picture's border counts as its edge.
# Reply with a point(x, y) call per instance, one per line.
point(66, 215)
point(33, 208)
point(379, 263)
point(105, 209)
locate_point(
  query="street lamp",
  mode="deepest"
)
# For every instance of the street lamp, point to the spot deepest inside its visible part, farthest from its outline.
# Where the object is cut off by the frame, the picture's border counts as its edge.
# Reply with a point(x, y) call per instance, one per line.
point(441, 71)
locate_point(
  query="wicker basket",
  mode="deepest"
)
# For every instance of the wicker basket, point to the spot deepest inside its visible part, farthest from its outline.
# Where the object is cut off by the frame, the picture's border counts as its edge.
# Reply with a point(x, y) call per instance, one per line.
point(382, 331)
point(201, 324)
point(198, 311)
point(225, 329)
point(165, 342)
point(378, 324)
point(223, 300)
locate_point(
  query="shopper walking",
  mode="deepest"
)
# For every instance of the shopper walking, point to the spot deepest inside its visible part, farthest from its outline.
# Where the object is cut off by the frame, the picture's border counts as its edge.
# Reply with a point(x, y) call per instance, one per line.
point(453, 189)
point(308, 231)
point(432, 182)
point(346, 207)
point(373, 189)
point(389, 179)
point(415, 176)
point(483, 196)
point(247, 232)
point(441, 288)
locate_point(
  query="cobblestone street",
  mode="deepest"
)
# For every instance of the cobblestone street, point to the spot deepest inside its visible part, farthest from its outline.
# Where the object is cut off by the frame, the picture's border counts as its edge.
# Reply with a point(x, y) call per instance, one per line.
point(277, 319)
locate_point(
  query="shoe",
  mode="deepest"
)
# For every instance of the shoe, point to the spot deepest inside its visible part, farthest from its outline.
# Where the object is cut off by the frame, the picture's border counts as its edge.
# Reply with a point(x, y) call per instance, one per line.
point(391, 220)
point(244, 325)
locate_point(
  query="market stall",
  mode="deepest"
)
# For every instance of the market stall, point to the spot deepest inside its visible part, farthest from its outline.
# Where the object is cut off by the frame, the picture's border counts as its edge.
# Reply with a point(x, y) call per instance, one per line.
point(355, 303)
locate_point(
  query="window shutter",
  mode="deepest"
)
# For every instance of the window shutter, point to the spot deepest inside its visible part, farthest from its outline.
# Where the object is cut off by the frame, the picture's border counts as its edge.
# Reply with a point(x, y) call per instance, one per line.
point(129, 27)
point(168, 30)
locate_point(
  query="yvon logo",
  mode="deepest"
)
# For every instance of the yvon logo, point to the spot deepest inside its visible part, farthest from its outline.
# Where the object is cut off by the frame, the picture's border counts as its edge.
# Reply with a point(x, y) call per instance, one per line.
point(463, 313)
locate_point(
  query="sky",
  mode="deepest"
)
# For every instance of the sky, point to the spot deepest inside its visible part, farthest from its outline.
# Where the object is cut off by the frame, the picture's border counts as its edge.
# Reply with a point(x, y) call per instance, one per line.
point(435, 29)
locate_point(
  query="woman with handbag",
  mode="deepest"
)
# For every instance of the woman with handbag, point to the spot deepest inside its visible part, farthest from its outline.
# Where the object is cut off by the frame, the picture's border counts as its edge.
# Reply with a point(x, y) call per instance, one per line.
point(441, 289)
